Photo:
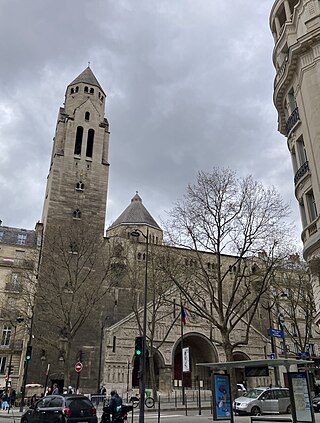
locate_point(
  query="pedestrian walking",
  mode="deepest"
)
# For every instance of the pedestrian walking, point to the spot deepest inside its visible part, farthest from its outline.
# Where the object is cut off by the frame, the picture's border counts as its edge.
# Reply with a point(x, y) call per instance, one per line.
point(55, 389)
point(13, 397)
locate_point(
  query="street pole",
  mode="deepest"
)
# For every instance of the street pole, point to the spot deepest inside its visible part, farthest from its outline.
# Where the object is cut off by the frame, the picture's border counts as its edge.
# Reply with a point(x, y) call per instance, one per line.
point(282, 327)
point(144, 334)
point(273, 347)
point(78, 375)
point(143, 359)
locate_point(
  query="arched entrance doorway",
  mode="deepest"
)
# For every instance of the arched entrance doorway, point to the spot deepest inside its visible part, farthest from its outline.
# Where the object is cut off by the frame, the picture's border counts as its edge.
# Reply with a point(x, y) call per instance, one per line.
point(240, 374)
point(201, 350)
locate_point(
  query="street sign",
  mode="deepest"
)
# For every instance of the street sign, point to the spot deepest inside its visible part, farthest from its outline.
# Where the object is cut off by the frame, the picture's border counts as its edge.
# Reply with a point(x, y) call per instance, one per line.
point(272, 356)
point(304, 355)
point(78, 366)
point(277, 333)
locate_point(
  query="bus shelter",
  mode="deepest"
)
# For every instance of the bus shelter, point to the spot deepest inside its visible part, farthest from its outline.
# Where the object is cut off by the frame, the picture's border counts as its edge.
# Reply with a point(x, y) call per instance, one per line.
point(299, 387)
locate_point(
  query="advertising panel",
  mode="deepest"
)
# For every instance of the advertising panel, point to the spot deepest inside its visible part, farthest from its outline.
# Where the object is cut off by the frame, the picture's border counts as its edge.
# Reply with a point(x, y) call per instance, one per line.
point(221, 397)
point(301, 395)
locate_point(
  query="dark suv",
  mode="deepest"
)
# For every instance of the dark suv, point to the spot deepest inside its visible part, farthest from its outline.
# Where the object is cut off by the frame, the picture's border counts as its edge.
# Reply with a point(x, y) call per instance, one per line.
point(61, 409)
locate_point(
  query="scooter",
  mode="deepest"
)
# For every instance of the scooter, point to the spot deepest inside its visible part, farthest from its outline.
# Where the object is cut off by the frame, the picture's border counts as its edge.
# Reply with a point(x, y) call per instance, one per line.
point(120, 417)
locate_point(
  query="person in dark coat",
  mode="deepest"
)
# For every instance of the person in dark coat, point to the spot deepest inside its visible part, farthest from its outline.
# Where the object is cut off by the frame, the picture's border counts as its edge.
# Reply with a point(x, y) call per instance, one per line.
point(115, 405)
point(13, 397)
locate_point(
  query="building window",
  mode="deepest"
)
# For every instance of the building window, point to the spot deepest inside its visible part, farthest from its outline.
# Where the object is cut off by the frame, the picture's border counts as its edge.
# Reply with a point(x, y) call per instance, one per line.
point(91, 91)
point(302, 154)
point(291, 101)
point(90, 143)
point(80, 186)
point(78, 143)
point(311, 349)
point(303, 213)
point(73, 248)
point(15, 281)
point(6, 335)
point(312, 208)
point(21, 239)
point(77, 89)
point(1, 235)
point(114, 343)
point(12, 302)
point(86, 89)
point(72, 90)
point(77, 214)
point(87, 116)
point(3, 361)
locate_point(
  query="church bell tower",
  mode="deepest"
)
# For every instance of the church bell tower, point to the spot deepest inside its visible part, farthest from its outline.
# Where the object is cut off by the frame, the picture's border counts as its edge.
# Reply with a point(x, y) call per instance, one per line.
point(78, 175)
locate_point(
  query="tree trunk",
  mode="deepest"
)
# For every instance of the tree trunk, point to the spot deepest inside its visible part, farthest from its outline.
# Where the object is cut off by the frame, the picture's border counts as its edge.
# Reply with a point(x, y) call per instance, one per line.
point(232, 372)
point(152, 375)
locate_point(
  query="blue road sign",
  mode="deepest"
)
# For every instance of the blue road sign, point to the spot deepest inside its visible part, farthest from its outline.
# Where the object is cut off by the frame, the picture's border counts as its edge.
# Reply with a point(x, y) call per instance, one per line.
point(304, 354)
point(277, 333)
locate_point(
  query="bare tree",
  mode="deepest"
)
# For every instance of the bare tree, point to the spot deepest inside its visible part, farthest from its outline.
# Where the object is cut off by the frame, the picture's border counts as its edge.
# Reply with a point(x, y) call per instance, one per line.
point(132, 265)
point(293, 297)
point(234, 234)
point(71, 286)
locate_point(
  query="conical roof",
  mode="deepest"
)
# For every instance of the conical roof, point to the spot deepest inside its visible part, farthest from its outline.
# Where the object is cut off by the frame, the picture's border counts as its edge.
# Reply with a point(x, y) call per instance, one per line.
point(87, 77)
point(136, 213)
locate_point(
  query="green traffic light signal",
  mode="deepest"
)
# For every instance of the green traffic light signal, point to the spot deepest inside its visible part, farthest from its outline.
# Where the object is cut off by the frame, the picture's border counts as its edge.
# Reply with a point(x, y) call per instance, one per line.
point(138, 346)
point(28, 352)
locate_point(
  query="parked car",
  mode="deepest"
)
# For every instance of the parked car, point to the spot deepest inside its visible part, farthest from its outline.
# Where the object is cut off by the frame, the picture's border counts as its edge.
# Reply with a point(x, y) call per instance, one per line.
point(316, 404)
point(241, 389)
point(263, 400)
point(61, 409)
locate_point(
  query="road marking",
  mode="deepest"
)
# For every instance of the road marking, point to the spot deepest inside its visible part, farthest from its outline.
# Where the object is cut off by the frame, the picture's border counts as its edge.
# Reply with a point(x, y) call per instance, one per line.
point(163, 416)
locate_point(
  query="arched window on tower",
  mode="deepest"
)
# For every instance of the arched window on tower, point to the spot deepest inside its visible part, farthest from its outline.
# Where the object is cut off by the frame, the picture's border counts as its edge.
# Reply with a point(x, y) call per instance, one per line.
point(90, 143)
point(87, 116)
point(77, 89)
point(72, 90)
point(86, 89)
point(78, 143)
point(77, 214)
point(91, 91)
point(80, 186)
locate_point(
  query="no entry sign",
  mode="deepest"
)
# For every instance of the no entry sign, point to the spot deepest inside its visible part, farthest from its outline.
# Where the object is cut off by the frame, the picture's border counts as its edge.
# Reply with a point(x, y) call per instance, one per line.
point(78, 366)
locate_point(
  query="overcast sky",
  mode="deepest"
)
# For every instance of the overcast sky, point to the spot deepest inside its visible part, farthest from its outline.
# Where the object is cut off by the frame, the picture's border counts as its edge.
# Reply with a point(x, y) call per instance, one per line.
point(189, 86)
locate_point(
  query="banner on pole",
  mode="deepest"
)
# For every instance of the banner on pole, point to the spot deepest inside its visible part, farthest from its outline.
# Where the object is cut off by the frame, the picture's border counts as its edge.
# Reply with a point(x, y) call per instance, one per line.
point(186, 360)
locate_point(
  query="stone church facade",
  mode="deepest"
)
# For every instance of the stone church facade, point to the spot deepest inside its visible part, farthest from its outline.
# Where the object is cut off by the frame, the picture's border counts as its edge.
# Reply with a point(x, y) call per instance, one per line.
point(75, 198)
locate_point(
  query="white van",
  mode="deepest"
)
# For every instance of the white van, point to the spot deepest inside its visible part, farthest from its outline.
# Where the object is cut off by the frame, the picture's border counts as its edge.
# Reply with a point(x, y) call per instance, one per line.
point(263, 400)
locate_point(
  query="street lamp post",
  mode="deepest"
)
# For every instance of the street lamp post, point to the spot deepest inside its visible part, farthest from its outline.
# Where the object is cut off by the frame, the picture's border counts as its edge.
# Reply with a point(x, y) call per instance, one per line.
point(282, 327)
point(273, 345)
point(143, 359)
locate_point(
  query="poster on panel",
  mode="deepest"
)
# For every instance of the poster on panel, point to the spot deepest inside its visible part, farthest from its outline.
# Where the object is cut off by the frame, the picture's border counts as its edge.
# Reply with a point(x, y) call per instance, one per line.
point(301, 395)
point(221, 397)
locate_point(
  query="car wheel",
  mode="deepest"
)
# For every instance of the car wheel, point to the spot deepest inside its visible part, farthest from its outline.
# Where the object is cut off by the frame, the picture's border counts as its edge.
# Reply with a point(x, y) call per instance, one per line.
point(24, 420)
point(255, 411)
point(289, 409)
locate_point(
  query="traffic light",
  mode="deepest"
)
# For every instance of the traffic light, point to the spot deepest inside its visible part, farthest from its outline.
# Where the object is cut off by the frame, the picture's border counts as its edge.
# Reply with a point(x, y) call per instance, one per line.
point(28, 352)
point(138, 348)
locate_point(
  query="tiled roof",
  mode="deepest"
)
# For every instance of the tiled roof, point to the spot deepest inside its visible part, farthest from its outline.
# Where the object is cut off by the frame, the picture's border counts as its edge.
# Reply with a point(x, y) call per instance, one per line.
point(87, 77)
point(16, 236)
point(136, 213)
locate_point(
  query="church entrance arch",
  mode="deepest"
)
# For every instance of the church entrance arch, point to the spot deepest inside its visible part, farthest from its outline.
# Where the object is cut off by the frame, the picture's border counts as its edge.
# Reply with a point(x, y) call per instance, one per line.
point(240, 374)
point(201, 350)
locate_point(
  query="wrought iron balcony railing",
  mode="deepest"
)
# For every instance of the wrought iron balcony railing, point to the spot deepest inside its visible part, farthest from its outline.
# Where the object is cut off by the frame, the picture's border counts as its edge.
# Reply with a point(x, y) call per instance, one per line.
point(303, 170)
point(293, 119)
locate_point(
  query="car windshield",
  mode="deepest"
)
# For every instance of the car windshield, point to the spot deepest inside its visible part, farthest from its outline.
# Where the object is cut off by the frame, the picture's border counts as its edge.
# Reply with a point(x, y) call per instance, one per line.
point(253, 393)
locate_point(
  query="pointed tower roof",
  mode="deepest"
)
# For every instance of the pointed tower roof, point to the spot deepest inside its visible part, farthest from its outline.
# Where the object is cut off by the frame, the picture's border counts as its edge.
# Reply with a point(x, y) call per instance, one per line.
point(136, 213)
point(87, 77)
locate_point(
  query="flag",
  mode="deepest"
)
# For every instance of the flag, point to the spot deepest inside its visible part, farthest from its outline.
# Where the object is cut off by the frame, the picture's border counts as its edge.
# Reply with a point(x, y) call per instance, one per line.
point(183, 315)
